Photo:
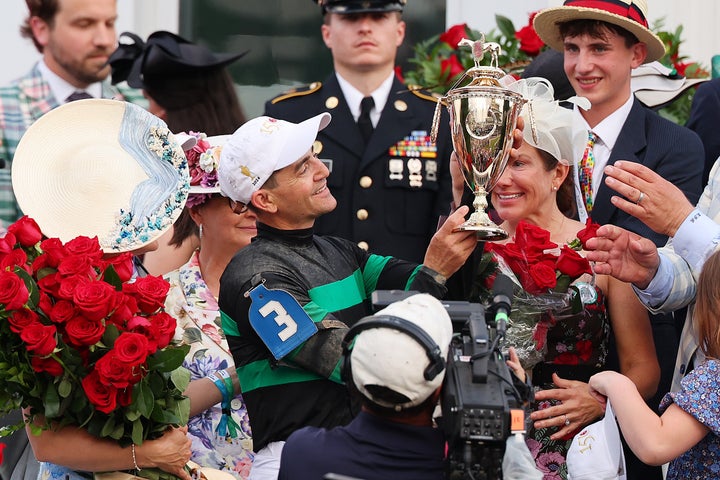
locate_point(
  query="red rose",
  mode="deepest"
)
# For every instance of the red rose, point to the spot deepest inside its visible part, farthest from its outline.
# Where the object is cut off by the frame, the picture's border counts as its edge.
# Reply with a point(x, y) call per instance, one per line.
point(126, 309)
point(21, 319)
point(67, 286)
point(13, 291)
point(530, 42)
point(62, 311)
point(454, 34)
point(571, 263)
point(131, 348)
point(115, 373)
point(45, 304)
point(49, 285)
point(76, 265)
point(451, 67)
point(80, 331)
point(7, 243)
point(533, 239)
point(39, 338)
point(124, 397)
point(590, 231)
point(567, 358)
point(89, 247)
point(122, 264)
point(26, 231)
point(150, 292)
point(53, 248)
point(543, 276)
point(142, 326)
point(164, 327)
point(95, 299)
point(48, 364)
point(15, 258)
point(103, 397)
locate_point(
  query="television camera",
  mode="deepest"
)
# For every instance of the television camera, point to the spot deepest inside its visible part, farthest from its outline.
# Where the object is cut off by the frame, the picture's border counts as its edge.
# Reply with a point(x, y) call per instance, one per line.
point(482, 402)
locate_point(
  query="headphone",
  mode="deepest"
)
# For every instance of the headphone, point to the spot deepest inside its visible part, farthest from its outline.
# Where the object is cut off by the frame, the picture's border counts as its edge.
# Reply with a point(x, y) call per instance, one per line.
point(437, 362)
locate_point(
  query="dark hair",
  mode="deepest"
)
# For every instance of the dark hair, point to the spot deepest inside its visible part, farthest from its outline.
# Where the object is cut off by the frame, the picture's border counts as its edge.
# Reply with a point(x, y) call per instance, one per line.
point(183, 228)
point(205, 101)
point(596, 29)
point(707, 307)
point(43, 9)
point(566, 192)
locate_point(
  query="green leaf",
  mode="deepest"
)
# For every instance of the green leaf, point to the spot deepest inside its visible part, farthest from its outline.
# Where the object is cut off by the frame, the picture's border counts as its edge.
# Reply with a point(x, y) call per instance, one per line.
point(180, 377)
point(51, 401)
point(505, 25)
point(137, 432)
point(168, 359)
point(110, 276)
point(33, 291)
point(65, 388)
point(108, 427)
point(144, 398)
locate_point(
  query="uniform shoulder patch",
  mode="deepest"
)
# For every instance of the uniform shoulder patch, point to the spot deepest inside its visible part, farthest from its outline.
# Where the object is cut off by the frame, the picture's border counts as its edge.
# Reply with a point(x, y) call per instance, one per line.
point(418, 91)
point(297, 92)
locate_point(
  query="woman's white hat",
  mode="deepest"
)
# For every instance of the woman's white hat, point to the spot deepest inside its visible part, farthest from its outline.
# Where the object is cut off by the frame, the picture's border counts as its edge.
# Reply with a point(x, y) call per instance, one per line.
point(101, 168)
point(628, 14)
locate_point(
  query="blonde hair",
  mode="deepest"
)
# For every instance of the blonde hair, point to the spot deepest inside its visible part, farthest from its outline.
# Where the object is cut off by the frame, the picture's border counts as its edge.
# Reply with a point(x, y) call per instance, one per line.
point(707, 308)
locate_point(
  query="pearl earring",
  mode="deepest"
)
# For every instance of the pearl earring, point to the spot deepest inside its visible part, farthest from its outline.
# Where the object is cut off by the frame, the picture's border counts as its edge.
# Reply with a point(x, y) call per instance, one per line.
point(554, 188)
point(200, 231)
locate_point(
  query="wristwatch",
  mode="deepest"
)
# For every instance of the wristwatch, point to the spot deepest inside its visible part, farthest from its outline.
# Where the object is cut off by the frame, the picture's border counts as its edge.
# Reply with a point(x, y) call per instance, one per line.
point(437, 276)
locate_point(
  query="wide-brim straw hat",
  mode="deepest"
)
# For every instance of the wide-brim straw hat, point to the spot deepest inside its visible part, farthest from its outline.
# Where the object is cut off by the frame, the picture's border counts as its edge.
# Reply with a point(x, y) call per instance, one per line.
point(628, 14)
point(101, 168)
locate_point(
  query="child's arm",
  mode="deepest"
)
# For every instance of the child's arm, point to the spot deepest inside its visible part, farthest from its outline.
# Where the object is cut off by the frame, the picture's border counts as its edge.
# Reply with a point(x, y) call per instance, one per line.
point(514, 364)
point(655, 440)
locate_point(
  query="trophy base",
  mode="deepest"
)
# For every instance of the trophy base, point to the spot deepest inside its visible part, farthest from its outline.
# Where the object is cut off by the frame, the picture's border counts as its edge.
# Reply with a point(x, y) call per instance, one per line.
point(487, 233)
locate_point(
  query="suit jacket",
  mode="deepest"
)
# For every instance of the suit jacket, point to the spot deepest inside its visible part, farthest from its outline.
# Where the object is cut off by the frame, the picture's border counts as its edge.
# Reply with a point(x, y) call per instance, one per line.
point(21, 103)
point(391, 192)
point(704, 117)
point(672, 151)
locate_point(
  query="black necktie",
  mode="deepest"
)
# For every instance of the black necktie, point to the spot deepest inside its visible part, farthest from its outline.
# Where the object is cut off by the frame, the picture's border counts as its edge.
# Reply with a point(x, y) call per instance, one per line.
point(364, 122)
point(78, 95)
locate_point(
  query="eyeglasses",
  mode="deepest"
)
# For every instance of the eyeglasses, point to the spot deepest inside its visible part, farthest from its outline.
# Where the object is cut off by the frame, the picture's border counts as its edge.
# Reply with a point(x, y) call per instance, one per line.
point(237, 207)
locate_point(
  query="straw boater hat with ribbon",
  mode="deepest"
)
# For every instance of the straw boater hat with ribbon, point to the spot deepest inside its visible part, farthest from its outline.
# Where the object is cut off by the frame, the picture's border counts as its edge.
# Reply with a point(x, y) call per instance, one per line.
point(628, 14)
point(101, 168)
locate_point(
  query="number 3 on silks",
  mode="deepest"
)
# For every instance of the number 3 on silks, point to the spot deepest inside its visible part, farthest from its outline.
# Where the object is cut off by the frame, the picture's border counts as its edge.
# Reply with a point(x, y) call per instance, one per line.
point(279, 320)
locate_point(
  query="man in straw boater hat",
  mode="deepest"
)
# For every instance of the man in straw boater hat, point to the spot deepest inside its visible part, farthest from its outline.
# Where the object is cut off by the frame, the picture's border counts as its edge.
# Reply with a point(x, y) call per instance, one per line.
point(602, 42)
point(107, 169)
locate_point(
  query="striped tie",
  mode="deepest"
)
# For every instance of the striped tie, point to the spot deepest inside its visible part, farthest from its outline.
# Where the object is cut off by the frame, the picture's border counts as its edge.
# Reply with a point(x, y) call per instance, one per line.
point(586, 170)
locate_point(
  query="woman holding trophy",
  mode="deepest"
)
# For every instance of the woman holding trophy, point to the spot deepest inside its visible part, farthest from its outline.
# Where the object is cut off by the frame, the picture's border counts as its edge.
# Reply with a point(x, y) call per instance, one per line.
point(560, 344)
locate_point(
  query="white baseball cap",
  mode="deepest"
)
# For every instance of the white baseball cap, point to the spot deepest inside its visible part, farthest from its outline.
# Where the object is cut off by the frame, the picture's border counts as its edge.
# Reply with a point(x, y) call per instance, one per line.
point(261, 147)
point(389, 358)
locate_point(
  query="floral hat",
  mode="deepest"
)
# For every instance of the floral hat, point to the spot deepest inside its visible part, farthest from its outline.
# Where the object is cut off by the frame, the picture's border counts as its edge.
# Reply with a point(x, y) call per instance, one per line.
point(101, 168)
point(203, 160)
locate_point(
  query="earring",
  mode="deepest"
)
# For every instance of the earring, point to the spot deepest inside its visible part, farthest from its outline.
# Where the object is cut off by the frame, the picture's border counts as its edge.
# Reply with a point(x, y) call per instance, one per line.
point(554, 188)
point(200, 231)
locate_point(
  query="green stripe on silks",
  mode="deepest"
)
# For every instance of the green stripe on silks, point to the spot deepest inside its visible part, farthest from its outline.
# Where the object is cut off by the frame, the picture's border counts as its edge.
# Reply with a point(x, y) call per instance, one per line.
point(412, 277)
point(228, 325)
point(260, 374)
point(371, 273)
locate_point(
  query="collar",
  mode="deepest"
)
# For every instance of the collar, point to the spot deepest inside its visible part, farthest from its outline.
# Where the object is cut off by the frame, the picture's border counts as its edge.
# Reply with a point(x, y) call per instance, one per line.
point(60, 88)
point(353, 97)
point(608, 130)
point(301, 237)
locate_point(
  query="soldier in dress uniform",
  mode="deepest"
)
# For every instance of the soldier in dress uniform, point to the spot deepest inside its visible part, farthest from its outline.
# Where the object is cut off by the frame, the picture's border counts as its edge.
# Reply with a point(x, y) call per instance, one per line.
point(391, 182)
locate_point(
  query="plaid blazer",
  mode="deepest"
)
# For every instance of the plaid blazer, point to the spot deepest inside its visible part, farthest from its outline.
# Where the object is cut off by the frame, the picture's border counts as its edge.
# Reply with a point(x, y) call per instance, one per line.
point(21, 103)
point(685, 278)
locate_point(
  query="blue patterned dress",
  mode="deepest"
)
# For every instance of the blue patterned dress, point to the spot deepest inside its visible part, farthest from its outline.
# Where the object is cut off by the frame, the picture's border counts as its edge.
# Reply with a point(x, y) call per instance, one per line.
point(197, 313)
point(699, 396)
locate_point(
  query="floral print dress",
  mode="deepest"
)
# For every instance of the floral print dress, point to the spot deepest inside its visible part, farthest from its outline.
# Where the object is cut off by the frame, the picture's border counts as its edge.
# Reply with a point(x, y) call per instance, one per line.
point(198, 324)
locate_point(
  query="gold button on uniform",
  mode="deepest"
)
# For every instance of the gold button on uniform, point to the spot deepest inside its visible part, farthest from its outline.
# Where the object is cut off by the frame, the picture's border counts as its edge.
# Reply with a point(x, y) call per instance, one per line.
point(365, 182)
point(363, 245)
point(400, 106)
point(362, 214)
point(332, 102)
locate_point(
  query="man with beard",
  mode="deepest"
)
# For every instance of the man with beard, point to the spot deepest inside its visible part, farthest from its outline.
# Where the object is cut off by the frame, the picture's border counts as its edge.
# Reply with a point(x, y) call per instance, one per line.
point(75, 38)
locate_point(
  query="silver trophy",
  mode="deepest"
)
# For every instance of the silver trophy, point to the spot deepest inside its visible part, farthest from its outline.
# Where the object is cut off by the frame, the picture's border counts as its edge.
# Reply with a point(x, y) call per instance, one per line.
point(483, 115)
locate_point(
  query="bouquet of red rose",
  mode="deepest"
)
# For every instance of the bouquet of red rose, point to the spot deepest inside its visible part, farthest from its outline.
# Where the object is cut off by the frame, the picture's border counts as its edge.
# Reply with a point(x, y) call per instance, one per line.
point(82, 344)
point(553, 284)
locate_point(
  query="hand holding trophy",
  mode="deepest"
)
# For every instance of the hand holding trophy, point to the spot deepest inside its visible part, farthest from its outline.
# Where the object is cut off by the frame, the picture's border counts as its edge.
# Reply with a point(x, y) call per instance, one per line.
point(483, 116)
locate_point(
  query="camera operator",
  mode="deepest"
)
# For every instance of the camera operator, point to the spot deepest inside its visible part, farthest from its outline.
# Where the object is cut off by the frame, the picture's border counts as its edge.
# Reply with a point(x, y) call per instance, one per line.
point(396, 360)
